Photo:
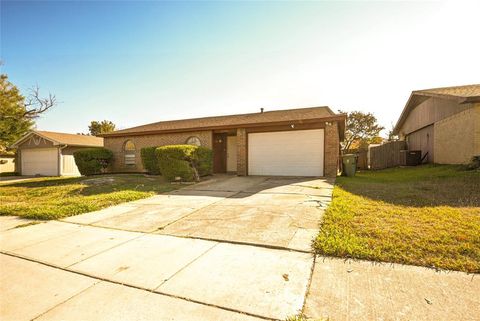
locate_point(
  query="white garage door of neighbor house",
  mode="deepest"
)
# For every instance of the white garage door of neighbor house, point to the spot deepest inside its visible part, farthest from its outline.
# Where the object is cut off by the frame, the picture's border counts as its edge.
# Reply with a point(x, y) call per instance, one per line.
point(292, 153)
point(41, 161)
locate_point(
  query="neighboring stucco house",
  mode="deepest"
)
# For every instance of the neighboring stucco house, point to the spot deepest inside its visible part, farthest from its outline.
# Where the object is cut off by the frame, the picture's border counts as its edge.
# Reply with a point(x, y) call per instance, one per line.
point(7, 163)
point(295, 142)
point(50, 153)
point(444, 123)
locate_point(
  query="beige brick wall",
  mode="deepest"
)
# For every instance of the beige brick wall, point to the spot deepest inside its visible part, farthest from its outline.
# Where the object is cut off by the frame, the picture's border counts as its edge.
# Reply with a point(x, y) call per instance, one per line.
point(457, 138)
point(332, 150)
point(115, 144)
point(477, 130)
point(241, 152)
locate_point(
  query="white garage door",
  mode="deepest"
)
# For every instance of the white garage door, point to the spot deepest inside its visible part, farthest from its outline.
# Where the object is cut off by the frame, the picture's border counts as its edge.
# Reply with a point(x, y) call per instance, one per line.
point(292, 153)
point(41, 161)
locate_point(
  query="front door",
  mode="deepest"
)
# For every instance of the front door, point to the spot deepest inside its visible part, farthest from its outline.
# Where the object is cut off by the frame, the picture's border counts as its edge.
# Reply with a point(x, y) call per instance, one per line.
point(232, 154)
point(220, 153)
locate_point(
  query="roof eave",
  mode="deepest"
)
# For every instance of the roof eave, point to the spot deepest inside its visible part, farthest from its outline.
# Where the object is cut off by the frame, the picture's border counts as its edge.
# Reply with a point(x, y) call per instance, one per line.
point(469, 100)
point(403, 116)
point(407, 109)
point(83, 145)
point(335, 117)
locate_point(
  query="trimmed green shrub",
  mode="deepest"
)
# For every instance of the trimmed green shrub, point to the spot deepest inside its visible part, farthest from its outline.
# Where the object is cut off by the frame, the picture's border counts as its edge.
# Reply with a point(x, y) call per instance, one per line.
point(92, 161)
point(185, 161)
point(149, 160)
point(204, 161)
point(174, 161)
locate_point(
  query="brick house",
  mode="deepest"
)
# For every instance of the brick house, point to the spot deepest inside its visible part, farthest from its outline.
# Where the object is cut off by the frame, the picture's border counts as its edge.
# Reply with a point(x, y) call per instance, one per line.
point(443, 123)
point(294, 142)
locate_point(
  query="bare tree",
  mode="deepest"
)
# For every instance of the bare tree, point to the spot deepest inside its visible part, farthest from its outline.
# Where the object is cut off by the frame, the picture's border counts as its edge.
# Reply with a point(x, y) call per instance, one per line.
point(17, 112)
point(35, 105)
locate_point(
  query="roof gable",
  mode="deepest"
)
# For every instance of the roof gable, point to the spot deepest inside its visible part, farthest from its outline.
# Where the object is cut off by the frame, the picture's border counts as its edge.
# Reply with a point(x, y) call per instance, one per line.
point(461, 94)
point(56, 138)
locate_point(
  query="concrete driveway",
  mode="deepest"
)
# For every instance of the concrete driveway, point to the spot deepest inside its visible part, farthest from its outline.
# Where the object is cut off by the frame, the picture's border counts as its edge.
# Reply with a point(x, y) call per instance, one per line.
point(277, 212)
point(231, 248)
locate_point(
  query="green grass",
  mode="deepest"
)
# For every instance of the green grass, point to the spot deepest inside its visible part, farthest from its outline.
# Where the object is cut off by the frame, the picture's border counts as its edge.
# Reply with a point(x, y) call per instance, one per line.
point(427, 215)
point(53, 198)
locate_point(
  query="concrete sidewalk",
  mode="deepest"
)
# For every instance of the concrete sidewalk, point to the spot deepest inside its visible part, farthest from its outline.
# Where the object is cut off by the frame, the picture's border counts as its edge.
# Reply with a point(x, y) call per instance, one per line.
point(257, 281)
point(75, 272)
point(33, 291)
point(344, 290)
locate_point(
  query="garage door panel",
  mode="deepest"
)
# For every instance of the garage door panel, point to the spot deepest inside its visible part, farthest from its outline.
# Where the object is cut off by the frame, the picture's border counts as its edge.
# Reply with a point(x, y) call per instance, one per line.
point(292, 153)
point(41, 161)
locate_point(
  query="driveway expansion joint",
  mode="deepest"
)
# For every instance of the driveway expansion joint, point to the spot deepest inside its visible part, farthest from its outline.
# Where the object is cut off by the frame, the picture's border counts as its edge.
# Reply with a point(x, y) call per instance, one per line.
point(110, 248)
point(191, 213)
point(66, 300)
point(184, 267)
point(309, 284)
point(100, 279)
point(156, 232)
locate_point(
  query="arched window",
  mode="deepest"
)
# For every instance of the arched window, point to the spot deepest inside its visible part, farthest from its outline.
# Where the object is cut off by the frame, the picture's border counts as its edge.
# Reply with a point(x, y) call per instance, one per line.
point(193, 140)
point(129, 153)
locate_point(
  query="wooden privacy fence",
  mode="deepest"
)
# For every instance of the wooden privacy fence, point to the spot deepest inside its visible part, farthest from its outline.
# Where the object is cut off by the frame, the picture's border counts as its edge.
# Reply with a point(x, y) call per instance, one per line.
point(362, 157)
point(387, 155)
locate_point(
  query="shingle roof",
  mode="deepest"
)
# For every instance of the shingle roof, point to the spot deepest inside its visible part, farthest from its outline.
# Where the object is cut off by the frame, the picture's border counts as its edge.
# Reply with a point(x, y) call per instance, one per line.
point(71, 139)
point(467, 91)
point(461, 94)
point(231, 120)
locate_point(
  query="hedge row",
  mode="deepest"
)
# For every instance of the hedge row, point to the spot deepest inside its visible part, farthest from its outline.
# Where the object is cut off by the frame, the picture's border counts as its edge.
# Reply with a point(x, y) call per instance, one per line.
point(149, 160)
point(92, 161)
point(184, 162)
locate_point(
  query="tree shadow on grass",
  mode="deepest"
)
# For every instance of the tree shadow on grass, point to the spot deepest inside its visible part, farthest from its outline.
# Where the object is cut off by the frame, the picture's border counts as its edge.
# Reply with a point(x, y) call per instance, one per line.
point(417, 187)
point(101, 184)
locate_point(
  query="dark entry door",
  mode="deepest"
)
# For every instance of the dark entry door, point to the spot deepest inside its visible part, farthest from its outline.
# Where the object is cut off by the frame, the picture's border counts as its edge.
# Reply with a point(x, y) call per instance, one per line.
point(219, 153)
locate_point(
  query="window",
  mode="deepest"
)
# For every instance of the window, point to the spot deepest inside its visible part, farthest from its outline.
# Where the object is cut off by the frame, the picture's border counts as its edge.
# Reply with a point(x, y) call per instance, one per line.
point(129, 153)
point(193, 140)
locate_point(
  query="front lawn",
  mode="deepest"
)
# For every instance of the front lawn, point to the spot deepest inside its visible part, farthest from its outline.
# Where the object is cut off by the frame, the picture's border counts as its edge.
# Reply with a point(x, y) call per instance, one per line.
point(53, 198)
point(427, 215)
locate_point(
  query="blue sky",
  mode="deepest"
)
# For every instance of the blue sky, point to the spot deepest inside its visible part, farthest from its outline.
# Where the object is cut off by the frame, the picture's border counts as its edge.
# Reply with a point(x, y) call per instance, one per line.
point(137, 62)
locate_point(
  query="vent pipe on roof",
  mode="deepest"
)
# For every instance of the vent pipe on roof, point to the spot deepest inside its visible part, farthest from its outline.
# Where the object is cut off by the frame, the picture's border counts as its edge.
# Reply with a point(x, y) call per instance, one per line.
point(261, 110)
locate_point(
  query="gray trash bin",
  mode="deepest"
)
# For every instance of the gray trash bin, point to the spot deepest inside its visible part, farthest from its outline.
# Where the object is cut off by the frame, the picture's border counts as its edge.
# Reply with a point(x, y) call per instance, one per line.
point(349, 162)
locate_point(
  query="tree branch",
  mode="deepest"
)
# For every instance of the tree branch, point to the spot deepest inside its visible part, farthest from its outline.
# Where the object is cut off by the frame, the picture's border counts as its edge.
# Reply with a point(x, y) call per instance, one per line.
point(36, 105)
